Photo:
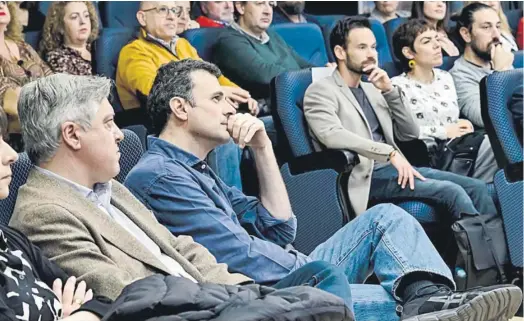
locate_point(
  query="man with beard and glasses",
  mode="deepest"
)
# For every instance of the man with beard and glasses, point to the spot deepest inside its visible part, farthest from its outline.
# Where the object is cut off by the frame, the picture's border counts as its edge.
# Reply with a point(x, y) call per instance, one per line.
point(289, 12)
point(479, 28)
point(346, 113)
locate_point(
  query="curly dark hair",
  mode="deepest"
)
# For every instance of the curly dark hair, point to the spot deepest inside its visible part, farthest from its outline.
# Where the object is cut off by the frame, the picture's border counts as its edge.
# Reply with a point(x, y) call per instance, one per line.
point(405, 36)
point(53, 31)
point(173, 80)
point(340, 32)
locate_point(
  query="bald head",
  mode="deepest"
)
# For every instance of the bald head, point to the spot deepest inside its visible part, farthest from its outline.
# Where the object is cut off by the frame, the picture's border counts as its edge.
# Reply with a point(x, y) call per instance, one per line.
point(160, 23)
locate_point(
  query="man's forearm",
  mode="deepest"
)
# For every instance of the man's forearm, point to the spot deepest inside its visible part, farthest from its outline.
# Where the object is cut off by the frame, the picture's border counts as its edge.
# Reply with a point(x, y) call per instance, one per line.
point(273, 193)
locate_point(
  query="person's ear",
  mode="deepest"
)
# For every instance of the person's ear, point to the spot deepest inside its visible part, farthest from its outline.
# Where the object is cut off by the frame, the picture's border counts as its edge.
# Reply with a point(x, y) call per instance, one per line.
point(141, 17)
point(71, 135)
point(340, 53)
point(408, 53)
point(179, 108)
point(465, 34)
point(240, 7)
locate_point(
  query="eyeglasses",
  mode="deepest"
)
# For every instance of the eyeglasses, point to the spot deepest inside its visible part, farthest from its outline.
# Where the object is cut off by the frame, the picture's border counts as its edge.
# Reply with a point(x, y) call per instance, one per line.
point(164, 11)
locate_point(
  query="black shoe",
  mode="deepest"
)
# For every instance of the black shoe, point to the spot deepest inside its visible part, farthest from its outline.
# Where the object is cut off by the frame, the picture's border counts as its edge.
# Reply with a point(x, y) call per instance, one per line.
point(493, 303)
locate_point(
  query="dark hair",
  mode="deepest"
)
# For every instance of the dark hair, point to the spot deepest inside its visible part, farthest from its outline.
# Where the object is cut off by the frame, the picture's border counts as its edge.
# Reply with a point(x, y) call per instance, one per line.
point(465, 18)
point(405, 36)
point(174, 80)
point(340, 32)
point(236, 14)
point(3, 124)
point(417, 12)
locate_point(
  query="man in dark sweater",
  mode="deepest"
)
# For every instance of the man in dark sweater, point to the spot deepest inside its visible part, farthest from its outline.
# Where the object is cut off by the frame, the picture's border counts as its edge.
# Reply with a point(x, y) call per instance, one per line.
point(250, 54)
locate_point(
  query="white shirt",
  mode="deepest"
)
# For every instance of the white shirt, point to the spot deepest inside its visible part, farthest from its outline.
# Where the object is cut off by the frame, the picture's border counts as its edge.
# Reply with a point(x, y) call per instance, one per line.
point(101, 197)
point(434, 105)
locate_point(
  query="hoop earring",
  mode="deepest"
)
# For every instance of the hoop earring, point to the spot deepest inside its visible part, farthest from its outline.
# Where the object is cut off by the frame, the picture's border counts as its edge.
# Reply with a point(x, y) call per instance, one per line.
point(411, 64)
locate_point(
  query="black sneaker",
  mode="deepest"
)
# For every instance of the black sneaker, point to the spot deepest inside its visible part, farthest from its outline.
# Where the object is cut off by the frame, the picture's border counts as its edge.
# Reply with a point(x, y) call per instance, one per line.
point(493, 303)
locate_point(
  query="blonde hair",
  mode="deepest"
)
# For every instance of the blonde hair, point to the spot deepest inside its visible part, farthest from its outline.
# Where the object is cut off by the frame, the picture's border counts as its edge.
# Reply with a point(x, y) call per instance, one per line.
point(54, 29)
point(504, 25)
point(14, 28)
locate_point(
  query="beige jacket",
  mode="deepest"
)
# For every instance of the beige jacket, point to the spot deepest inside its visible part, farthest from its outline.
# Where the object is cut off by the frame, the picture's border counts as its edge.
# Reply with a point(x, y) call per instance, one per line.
point(85, 242)
point(337, 121)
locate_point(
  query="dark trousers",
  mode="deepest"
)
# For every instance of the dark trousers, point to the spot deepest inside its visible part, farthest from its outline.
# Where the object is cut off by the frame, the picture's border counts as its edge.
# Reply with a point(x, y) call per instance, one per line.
point(458, 194)
point(321, 275)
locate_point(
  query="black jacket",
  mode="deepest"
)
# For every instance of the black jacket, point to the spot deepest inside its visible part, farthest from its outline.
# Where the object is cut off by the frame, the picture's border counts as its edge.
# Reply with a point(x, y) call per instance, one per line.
point(43, 270)
point(170, 298)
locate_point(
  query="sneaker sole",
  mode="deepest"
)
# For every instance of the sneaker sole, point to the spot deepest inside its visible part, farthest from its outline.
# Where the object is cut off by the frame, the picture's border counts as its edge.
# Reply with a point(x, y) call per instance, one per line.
point(496, 305)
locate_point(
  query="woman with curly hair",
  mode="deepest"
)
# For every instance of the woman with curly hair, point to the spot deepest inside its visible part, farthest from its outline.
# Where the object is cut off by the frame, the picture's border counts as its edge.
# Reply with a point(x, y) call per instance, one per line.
point(69, 30)
point(19, 64)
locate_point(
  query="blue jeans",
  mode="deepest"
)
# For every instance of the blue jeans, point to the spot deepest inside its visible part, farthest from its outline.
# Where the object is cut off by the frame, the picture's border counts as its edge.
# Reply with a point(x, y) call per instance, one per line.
point(225, 162)
point(389, 242)
point(320, 275)
point(458, 194)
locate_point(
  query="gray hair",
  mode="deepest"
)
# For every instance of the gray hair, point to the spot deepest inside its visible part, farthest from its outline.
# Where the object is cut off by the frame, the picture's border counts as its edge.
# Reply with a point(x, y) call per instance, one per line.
point(46, 103)
point(174, 80)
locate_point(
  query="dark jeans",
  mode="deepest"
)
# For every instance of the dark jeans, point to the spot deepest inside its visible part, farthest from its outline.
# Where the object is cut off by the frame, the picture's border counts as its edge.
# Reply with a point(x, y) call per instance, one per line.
point(321, 275)
point(458, 194)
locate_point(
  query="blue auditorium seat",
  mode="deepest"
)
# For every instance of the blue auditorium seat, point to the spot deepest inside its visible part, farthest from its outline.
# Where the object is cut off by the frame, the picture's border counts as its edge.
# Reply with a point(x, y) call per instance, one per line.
point(131, 150)
point(327, 23)
point(204, 40)
point(108, 47)
point(496, 91)
point(518, 61)
point(514, 18)
point(448, 63)
point(313, 49)
point(313, 180)
point(390, 27)
point(119, 14)
point(20, 170)
point(33, 38)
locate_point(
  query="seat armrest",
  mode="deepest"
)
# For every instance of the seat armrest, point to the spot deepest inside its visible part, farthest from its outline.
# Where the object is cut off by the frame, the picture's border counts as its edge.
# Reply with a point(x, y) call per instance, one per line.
point(340, 161)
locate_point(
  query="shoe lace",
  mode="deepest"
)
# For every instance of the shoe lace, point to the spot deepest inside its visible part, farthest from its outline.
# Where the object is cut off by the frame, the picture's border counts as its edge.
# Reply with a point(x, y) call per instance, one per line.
point(437, 289)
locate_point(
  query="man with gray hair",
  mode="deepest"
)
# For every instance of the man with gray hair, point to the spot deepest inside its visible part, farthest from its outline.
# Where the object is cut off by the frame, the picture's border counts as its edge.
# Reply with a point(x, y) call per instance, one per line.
point(70, 207)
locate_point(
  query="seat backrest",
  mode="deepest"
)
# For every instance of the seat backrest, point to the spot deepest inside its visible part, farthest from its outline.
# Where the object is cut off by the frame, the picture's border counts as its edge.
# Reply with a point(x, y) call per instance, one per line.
point(108, 47)
point(130, 152)
point(287, 92)
point(204, 40)
point(141, 132)
point(496, 92)
point(448, 63)
point(20, 170)
point(119, 14)
point(390, 27)
point(384, 55)
point(518, 61)
point(514, 18)
point(33, 38)
point(312, 50)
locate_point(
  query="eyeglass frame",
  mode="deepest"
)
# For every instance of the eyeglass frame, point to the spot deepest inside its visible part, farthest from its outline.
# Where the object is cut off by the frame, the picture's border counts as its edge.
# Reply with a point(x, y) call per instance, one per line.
point(173, 10)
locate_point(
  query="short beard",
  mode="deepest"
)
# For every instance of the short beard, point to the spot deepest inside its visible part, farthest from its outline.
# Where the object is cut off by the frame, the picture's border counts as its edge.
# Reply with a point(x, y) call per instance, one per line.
point(485, 55)
point(294, 8)
point(357, 70)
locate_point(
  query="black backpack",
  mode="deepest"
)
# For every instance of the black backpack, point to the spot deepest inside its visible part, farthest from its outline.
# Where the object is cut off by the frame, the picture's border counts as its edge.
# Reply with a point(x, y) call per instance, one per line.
point(482, 251)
